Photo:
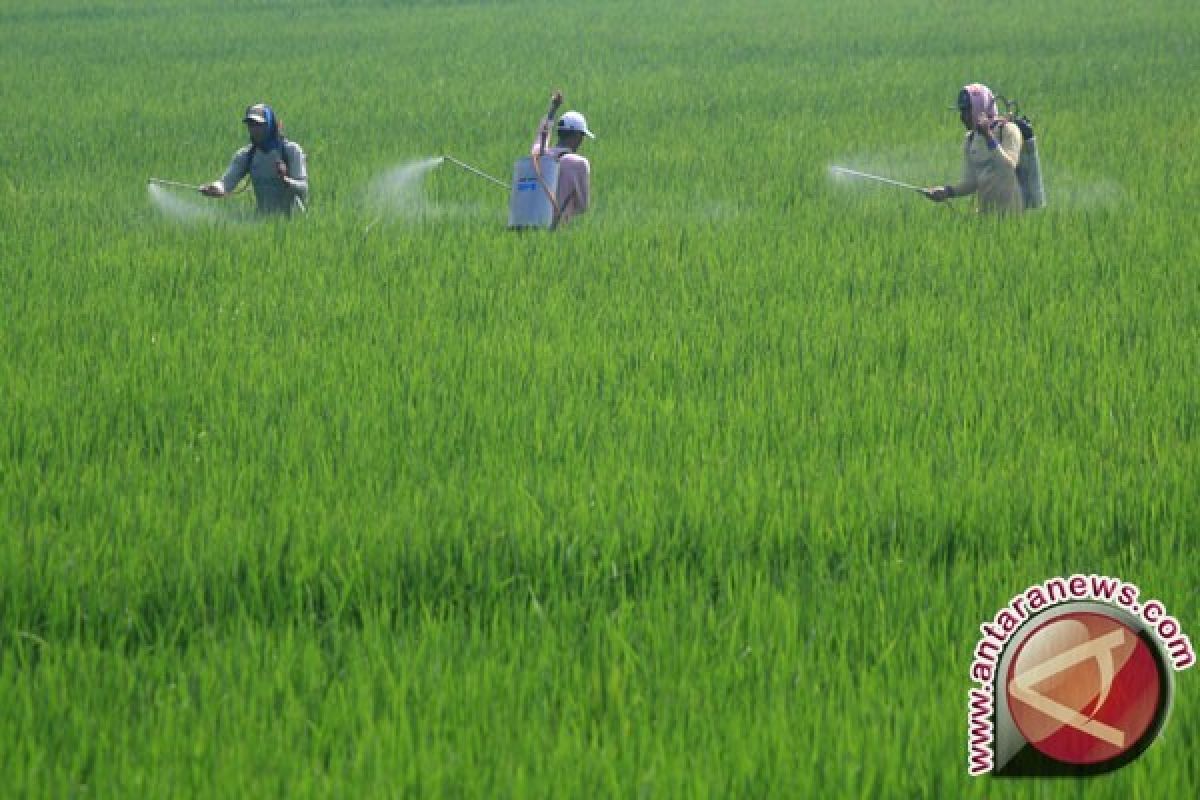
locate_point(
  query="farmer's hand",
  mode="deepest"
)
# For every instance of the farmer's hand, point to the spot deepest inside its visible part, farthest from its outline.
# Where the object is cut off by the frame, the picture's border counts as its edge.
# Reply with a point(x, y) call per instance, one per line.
point(281, 168)
point(937, 193)
point(983, 126)
point(556, 98)
point(212, 190)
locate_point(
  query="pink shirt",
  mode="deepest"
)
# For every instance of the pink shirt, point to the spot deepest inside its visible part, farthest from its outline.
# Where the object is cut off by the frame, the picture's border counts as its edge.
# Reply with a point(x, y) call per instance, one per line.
point(573, 193)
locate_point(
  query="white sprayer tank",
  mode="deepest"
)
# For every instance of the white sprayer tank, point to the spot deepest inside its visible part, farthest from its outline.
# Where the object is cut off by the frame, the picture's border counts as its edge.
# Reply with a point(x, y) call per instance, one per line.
point(528, 204)
point(1029, 166)
point(1029, 175)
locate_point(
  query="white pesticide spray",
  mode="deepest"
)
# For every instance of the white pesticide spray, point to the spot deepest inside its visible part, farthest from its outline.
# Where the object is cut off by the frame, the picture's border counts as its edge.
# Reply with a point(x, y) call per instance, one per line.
point(172, 204)
point(400, 192)
point(898, 162)
point(1074, 193)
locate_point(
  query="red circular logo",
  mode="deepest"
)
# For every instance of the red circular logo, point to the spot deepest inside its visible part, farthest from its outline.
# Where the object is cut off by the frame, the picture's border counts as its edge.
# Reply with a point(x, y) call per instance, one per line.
point(1084, 688)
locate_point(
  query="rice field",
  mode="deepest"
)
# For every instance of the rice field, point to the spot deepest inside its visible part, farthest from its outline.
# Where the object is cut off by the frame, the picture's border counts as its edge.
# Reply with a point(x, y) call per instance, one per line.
point(703, 496)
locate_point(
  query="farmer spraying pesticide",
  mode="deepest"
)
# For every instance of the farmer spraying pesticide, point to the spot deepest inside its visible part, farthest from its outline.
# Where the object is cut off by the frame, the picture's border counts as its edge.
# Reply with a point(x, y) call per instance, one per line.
point(554, 184)
point(275, 165)
point(992, 153)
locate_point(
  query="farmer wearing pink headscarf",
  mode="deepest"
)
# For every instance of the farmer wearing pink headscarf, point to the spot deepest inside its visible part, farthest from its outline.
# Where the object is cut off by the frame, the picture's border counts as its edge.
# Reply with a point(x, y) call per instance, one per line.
point(990, 155)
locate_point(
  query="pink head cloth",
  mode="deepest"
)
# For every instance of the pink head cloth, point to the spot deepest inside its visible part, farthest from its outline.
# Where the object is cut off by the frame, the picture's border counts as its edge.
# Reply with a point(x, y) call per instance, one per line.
point(982, 100)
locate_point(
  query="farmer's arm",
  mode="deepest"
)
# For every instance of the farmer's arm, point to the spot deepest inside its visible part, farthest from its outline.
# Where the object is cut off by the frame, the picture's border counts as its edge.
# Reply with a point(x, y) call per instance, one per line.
point(543, 129)
point(238, 168)
point(541, 135)
point(295, 170)
point(969, 182)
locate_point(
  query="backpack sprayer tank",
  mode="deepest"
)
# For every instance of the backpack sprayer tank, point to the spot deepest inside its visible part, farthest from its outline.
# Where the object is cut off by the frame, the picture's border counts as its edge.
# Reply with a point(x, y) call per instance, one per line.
point(529, 205)
point(1029, 167)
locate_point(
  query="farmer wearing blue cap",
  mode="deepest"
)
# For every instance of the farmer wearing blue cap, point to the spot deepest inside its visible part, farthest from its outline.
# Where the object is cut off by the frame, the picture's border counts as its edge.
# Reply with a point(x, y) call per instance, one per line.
point(275, 166)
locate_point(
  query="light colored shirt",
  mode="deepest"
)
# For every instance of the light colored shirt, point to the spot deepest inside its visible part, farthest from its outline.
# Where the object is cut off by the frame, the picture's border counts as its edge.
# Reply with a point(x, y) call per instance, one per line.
point(574, 190)
point(991, 173)
point(271, 193)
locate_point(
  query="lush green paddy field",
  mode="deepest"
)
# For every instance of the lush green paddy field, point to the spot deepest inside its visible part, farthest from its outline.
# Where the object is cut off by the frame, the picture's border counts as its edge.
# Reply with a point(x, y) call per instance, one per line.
point(705, 496)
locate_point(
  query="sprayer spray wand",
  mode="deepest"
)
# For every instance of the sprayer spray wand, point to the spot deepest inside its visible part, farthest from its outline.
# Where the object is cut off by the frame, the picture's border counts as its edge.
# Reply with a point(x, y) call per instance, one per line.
point(177, 184)
point(879, 178)
point(853, 173)
point(475, 171)
point(194, 187)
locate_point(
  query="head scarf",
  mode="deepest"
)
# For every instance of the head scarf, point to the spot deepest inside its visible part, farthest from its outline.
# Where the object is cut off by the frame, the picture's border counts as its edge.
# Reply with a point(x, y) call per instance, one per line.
point(274, 128)
point(981, 99)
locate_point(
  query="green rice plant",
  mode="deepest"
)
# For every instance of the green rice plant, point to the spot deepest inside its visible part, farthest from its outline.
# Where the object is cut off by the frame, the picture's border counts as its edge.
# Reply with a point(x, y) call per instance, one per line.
point(706, 495)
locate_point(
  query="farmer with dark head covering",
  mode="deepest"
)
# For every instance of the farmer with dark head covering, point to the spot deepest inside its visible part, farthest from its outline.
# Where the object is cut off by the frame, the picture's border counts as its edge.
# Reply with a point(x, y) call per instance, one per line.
point(991, 152)
point(275, 165)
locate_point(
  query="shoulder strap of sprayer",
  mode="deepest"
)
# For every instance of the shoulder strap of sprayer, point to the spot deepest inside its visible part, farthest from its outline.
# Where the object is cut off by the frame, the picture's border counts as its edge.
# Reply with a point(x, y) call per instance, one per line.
point(283, 143)
point(997, 126)
point(283, 154)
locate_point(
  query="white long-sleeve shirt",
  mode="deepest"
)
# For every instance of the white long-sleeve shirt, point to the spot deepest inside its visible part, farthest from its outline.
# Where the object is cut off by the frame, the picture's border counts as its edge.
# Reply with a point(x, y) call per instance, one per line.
point(271, 193)
point(991, 173)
